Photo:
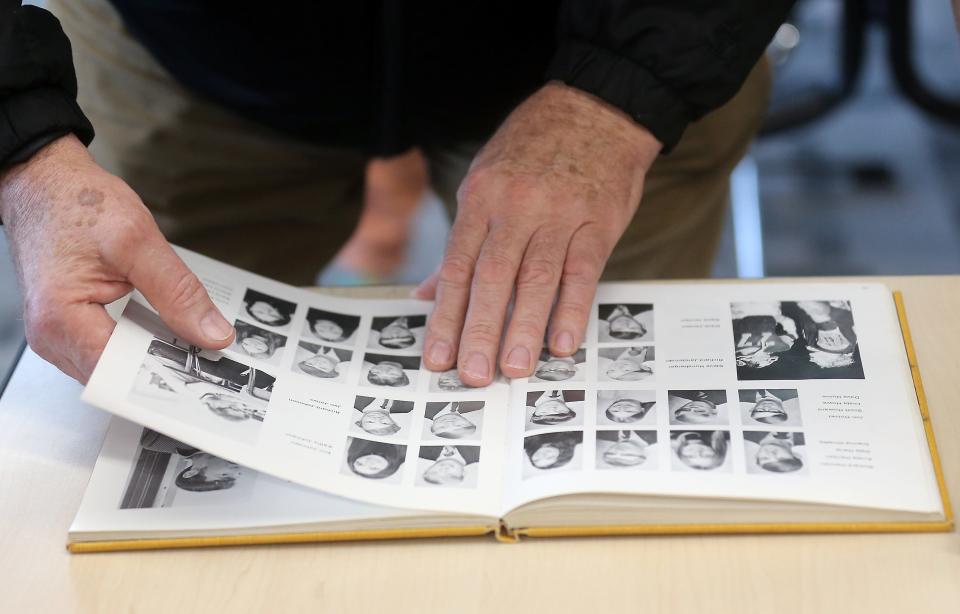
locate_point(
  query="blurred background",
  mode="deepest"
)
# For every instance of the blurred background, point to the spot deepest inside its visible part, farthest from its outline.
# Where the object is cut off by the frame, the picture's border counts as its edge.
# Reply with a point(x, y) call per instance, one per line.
point(857, 172)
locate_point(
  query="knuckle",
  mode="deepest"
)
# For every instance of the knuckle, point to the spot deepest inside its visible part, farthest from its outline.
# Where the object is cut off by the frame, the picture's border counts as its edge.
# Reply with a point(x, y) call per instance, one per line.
point(581, 271)
point(481, 333)
point(521, 189)
point(472, 186)
point(187, 292)
point(495, 269)
point(572, 310)
point(443, 322)
point(456, 270)
point(537, 273)
point(128, 234)
point(528, 328)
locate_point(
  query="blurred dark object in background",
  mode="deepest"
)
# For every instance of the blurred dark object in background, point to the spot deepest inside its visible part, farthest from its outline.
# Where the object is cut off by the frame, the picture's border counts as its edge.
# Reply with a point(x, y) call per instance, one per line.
point(858, 168)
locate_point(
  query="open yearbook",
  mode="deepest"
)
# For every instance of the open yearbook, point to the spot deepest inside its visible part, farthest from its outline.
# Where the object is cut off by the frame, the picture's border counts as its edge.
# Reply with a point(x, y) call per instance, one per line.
point(702, 407)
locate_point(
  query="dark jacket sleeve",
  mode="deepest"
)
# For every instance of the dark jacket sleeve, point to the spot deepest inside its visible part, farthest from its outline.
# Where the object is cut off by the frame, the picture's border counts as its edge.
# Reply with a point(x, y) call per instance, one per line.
point(664, 62)
point(38, 87)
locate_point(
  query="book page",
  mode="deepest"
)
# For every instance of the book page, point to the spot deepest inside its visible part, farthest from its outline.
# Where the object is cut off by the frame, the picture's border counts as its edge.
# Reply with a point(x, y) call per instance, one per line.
point(145, 482)
point(793, 392)
point(323, 391)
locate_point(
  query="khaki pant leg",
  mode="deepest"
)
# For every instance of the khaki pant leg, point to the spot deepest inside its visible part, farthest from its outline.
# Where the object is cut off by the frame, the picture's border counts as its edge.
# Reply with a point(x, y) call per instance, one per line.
point(677, 228)
point(215, 182)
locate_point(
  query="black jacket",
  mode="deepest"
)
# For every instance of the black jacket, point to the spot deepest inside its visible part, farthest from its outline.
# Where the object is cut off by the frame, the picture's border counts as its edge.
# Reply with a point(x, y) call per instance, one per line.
point(385, 75)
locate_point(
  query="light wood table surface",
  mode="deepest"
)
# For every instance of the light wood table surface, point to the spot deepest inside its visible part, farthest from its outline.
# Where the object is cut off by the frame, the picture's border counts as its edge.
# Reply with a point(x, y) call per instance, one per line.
point(47, 450)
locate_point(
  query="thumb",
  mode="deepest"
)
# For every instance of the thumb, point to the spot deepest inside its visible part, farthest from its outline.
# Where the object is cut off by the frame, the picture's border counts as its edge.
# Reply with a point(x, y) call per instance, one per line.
point(178, 296)
point(427, 290)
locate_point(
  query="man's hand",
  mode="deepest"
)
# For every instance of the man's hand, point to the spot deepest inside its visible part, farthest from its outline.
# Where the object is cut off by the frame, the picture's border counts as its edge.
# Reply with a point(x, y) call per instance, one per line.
point(539, 213)
point(80, 239)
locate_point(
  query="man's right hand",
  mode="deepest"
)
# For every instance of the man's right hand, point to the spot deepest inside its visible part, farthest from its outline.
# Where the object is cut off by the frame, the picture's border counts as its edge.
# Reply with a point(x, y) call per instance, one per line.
point(81, 239)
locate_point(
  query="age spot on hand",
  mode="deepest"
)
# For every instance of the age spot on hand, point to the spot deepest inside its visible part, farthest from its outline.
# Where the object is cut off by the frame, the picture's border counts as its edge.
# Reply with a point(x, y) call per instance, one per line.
point(90, 197)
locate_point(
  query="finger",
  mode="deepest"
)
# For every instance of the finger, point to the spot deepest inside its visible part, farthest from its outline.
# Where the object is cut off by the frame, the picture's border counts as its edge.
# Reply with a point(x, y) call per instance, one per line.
point(490, 292)
point(452, 291)
point(178, 296)
point(584, 263)
point(427, 290)
point(536, 288)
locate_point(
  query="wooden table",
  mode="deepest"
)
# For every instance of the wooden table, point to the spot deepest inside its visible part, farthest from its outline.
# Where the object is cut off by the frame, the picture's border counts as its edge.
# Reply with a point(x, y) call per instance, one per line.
point(48, 448)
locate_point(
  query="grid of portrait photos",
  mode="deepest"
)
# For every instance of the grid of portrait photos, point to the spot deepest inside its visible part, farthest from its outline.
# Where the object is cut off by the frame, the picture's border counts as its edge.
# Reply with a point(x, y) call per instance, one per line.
point(447, 435)
point(618, 369)
point(605, 402)
point(705, 423)
point(380, 356)
point(773, 439)
point(391, 435)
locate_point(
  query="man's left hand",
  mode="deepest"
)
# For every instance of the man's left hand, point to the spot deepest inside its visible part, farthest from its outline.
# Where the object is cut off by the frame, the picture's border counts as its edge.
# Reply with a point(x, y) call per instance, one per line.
point(539, 213)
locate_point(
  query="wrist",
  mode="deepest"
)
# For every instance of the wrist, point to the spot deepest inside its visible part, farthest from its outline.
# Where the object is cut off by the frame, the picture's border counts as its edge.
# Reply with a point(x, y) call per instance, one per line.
point(636, 141)
point(17, 180)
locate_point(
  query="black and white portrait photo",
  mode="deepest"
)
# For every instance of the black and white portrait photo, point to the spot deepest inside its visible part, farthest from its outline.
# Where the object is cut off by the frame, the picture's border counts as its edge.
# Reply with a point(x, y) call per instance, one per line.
point(774, 452)
point(626, 450)
point(258, 343)
point(626, 408)
point(322, 361)
point(448, 466)
point(624, 322)
point(552, 368)
point(447, 381)
point(374, 460)
point(625, 364)
point(397, 333)
point(700, 451)
point(167, 473)
point(551, 453)
point(554, 408)
point(381, 417)
point(795, 340)
point(390, 371)
point(204, 389)
point(330, 327)
point(698, 406)
point(453, 421)
point(770, 407)
point(269, 310)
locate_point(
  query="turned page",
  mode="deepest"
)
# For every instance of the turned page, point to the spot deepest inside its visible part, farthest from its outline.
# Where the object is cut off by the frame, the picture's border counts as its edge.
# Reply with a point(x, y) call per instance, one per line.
point(793, 392)
point(323, 391)
point(147, 483)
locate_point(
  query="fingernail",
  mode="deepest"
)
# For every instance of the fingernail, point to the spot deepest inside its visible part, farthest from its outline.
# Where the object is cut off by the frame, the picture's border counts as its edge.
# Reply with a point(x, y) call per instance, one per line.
point(440, 353)
point(214, 326)
point(519, 358)
point(477, 366)
point(565, 342)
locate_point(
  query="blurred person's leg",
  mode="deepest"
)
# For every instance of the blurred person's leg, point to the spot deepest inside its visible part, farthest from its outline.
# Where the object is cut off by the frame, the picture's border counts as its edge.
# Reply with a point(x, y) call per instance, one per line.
point(393, 191)
point(216, 183)
point(677, 228)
